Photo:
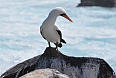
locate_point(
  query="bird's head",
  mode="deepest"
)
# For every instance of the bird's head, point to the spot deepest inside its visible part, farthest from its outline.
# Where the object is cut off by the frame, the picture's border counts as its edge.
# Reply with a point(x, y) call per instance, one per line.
point(59, 11)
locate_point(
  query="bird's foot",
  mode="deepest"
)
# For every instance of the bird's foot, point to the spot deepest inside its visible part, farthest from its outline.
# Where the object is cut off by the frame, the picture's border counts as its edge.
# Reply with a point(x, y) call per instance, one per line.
point(57, 51)
point(56, 48)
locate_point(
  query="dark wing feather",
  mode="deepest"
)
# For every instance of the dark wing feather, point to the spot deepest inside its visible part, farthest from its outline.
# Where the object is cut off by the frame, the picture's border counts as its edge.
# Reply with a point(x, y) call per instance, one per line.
point(60, 34)
point(62, 40)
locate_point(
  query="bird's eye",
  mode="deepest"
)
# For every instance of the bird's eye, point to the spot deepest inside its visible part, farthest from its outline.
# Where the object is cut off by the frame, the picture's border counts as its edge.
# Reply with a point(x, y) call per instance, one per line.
point(63, 14)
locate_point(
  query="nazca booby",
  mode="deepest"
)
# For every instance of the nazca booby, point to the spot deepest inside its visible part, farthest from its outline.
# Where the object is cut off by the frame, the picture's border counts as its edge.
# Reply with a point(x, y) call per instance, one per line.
point(50, 31)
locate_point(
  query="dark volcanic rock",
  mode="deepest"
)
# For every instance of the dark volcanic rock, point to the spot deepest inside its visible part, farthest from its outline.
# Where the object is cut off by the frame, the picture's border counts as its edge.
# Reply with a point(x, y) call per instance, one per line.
point(74, 67)
point(21, 69)
point(113, 76)
point(102, 3)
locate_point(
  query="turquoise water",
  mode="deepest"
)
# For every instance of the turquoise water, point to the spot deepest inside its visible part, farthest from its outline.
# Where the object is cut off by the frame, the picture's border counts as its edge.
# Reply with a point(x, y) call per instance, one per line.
point(92, 33)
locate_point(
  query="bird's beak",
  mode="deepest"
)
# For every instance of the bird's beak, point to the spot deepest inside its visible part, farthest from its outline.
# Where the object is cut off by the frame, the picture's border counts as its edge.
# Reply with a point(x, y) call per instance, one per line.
point(66, 16)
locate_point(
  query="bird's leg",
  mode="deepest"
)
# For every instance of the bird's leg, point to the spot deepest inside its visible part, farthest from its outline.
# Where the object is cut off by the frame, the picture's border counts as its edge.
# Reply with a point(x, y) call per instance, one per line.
point(57, 46)
point(49, 44)
point(57, 49)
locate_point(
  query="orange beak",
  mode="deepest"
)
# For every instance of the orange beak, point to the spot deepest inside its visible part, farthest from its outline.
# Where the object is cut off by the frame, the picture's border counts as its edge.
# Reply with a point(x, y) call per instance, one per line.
point(66, 16)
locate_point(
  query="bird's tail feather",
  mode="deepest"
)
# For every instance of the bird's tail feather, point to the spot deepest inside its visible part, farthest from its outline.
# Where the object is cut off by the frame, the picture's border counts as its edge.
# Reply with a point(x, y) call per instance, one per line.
point(62, 40)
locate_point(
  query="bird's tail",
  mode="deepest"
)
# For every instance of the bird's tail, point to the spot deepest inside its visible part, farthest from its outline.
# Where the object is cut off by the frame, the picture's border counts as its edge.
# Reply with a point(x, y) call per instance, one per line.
point(62, 40)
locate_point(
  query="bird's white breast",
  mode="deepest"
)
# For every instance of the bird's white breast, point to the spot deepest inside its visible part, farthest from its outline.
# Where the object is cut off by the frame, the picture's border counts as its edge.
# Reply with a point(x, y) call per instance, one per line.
point(50, 34)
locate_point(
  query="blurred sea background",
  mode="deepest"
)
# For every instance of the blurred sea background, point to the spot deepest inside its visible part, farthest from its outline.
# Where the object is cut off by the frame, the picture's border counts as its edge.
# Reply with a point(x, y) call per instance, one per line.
point(92, 33)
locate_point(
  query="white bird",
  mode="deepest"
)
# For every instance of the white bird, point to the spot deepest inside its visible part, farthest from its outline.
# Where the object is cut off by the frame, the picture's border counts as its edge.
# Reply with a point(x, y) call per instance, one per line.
point(50, 31)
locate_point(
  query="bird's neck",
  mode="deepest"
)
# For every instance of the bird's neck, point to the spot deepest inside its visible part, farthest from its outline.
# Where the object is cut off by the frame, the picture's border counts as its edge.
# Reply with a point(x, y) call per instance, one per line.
point(51, 19)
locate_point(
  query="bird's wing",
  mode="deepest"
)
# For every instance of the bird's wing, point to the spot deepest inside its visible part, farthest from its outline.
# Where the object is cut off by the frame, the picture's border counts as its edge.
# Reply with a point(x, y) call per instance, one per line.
point(60, 34)
point(58, 31)
point(41, 31)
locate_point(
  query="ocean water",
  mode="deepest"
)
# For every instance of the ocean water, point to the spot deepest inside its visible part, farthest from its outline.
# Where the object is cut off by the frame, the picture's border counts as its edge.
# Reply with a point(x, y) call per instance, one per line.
point(92, 33)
